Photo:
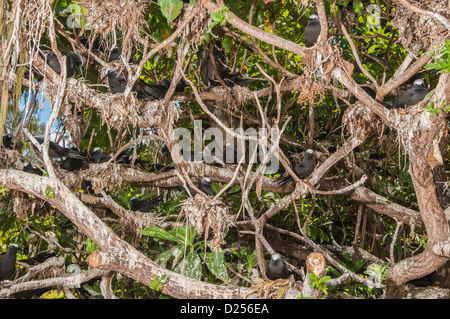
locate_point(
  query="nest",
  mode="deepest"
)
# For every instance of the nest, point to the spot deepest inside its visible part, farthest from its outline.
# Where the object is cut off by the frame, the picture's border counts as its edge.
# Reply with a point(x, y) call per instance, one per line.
point(106, 16)
point(230, 99)
point(360, 120)
point(103, 176)
point(417, 31)
point(205, 214)
point(308, 88)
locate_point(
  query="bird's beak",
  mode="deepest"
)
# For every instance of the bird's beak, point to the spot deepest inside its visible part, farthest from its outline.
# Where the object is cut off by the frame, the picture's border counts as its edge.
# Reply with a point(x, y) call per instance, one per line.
point(81, 71)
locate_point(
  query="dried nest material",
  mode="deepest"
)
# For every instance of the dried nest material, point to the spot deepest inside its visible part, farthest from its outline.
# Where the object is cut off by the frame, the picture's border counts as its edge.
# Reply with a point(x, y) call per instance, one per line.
point(36, 14)
point(8, 157)
point(198, 26)
point(278, 289)
point(102, 176)
point(418, 31)
point(308, 89)
point(205, 214)
point(415, 120)
point(235, 96)
point(119, 111)
point(132, 221)
point(106, 16)
point(24, 203)
point(359, 119)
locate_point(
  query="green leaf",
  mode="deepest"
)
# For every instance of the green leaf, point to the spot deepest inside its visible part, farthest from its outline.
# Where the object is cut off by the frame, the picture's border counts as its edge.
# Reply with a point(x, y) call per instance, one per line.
point(170, 8)
point(215, 261)
point(90, 245)
point(49, 192)
point(191, 266)
point(358, 7)
point(160, 233)
point(226, 43)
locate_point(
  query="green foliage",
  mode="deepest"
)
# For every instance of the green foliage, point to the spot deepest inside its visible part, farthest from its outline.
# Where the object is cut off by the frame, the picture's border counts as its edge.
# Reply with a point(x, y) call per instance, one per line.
point(158, 283)
point(442, 58)
point(90, 245)
point(49, 192)
point(170, 8)
point(220, 17)
point(185, 256)
point(319, 283)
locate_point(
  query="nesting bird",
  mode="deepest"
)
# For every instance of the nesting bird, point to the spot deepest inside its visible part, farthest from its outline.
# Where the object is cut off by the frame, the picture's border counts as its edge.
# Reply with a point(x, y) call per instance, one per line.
point(98, 156)
point(57, 151)
point(8, 262)
point(204, 186)
point(73, 61)
point(369, 91)
point(302, 170)
point(276, 268)
point(28, 168)
point(115, 54)
point(412, 96)
point(312, 30)
point(117, 84)
point(144, 205)
point(156, 91)
point(71, 164)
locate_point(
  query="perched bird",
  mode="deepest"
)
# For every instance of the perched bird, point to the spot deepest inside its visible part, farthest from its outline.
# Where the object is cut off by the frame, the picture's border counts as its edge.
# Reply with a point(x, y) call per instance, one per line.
point(204, 186)
point(276, 268)
point(98, 156)
point(144, 205)
point(8, 262)
point(117, 84)
point(73, 61)
point(7, 141)
point(180, 86)
point(39, 258)
point(115, 54)
point(232, 79)
point(412, 96)
point(302, 170)
point(57, 151)
point(156, 91)
point(312, 30)
point(369, 91)
point(71, 164)
point(28, 168)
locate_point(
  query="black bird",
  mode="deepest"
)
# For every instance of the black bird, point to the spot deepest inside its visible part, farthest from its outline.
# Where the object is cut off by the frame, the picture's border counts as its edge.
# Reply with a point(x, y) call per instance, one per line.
point(312, 30)
point(117, 84)
point(232, 79)
point(180, 86)
point(156, 91)
point(369, 91)
point(115, 54)
point(412, 96)
point(302, 170)
point(8, 262)
point(73, 61)
point(144, 205)
point(7, 141)
point(71, 164)
point(276, 268)
point(57, 151)
point(28, 168)
point(39, 258)
point(204, 186)
point(98, 156)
